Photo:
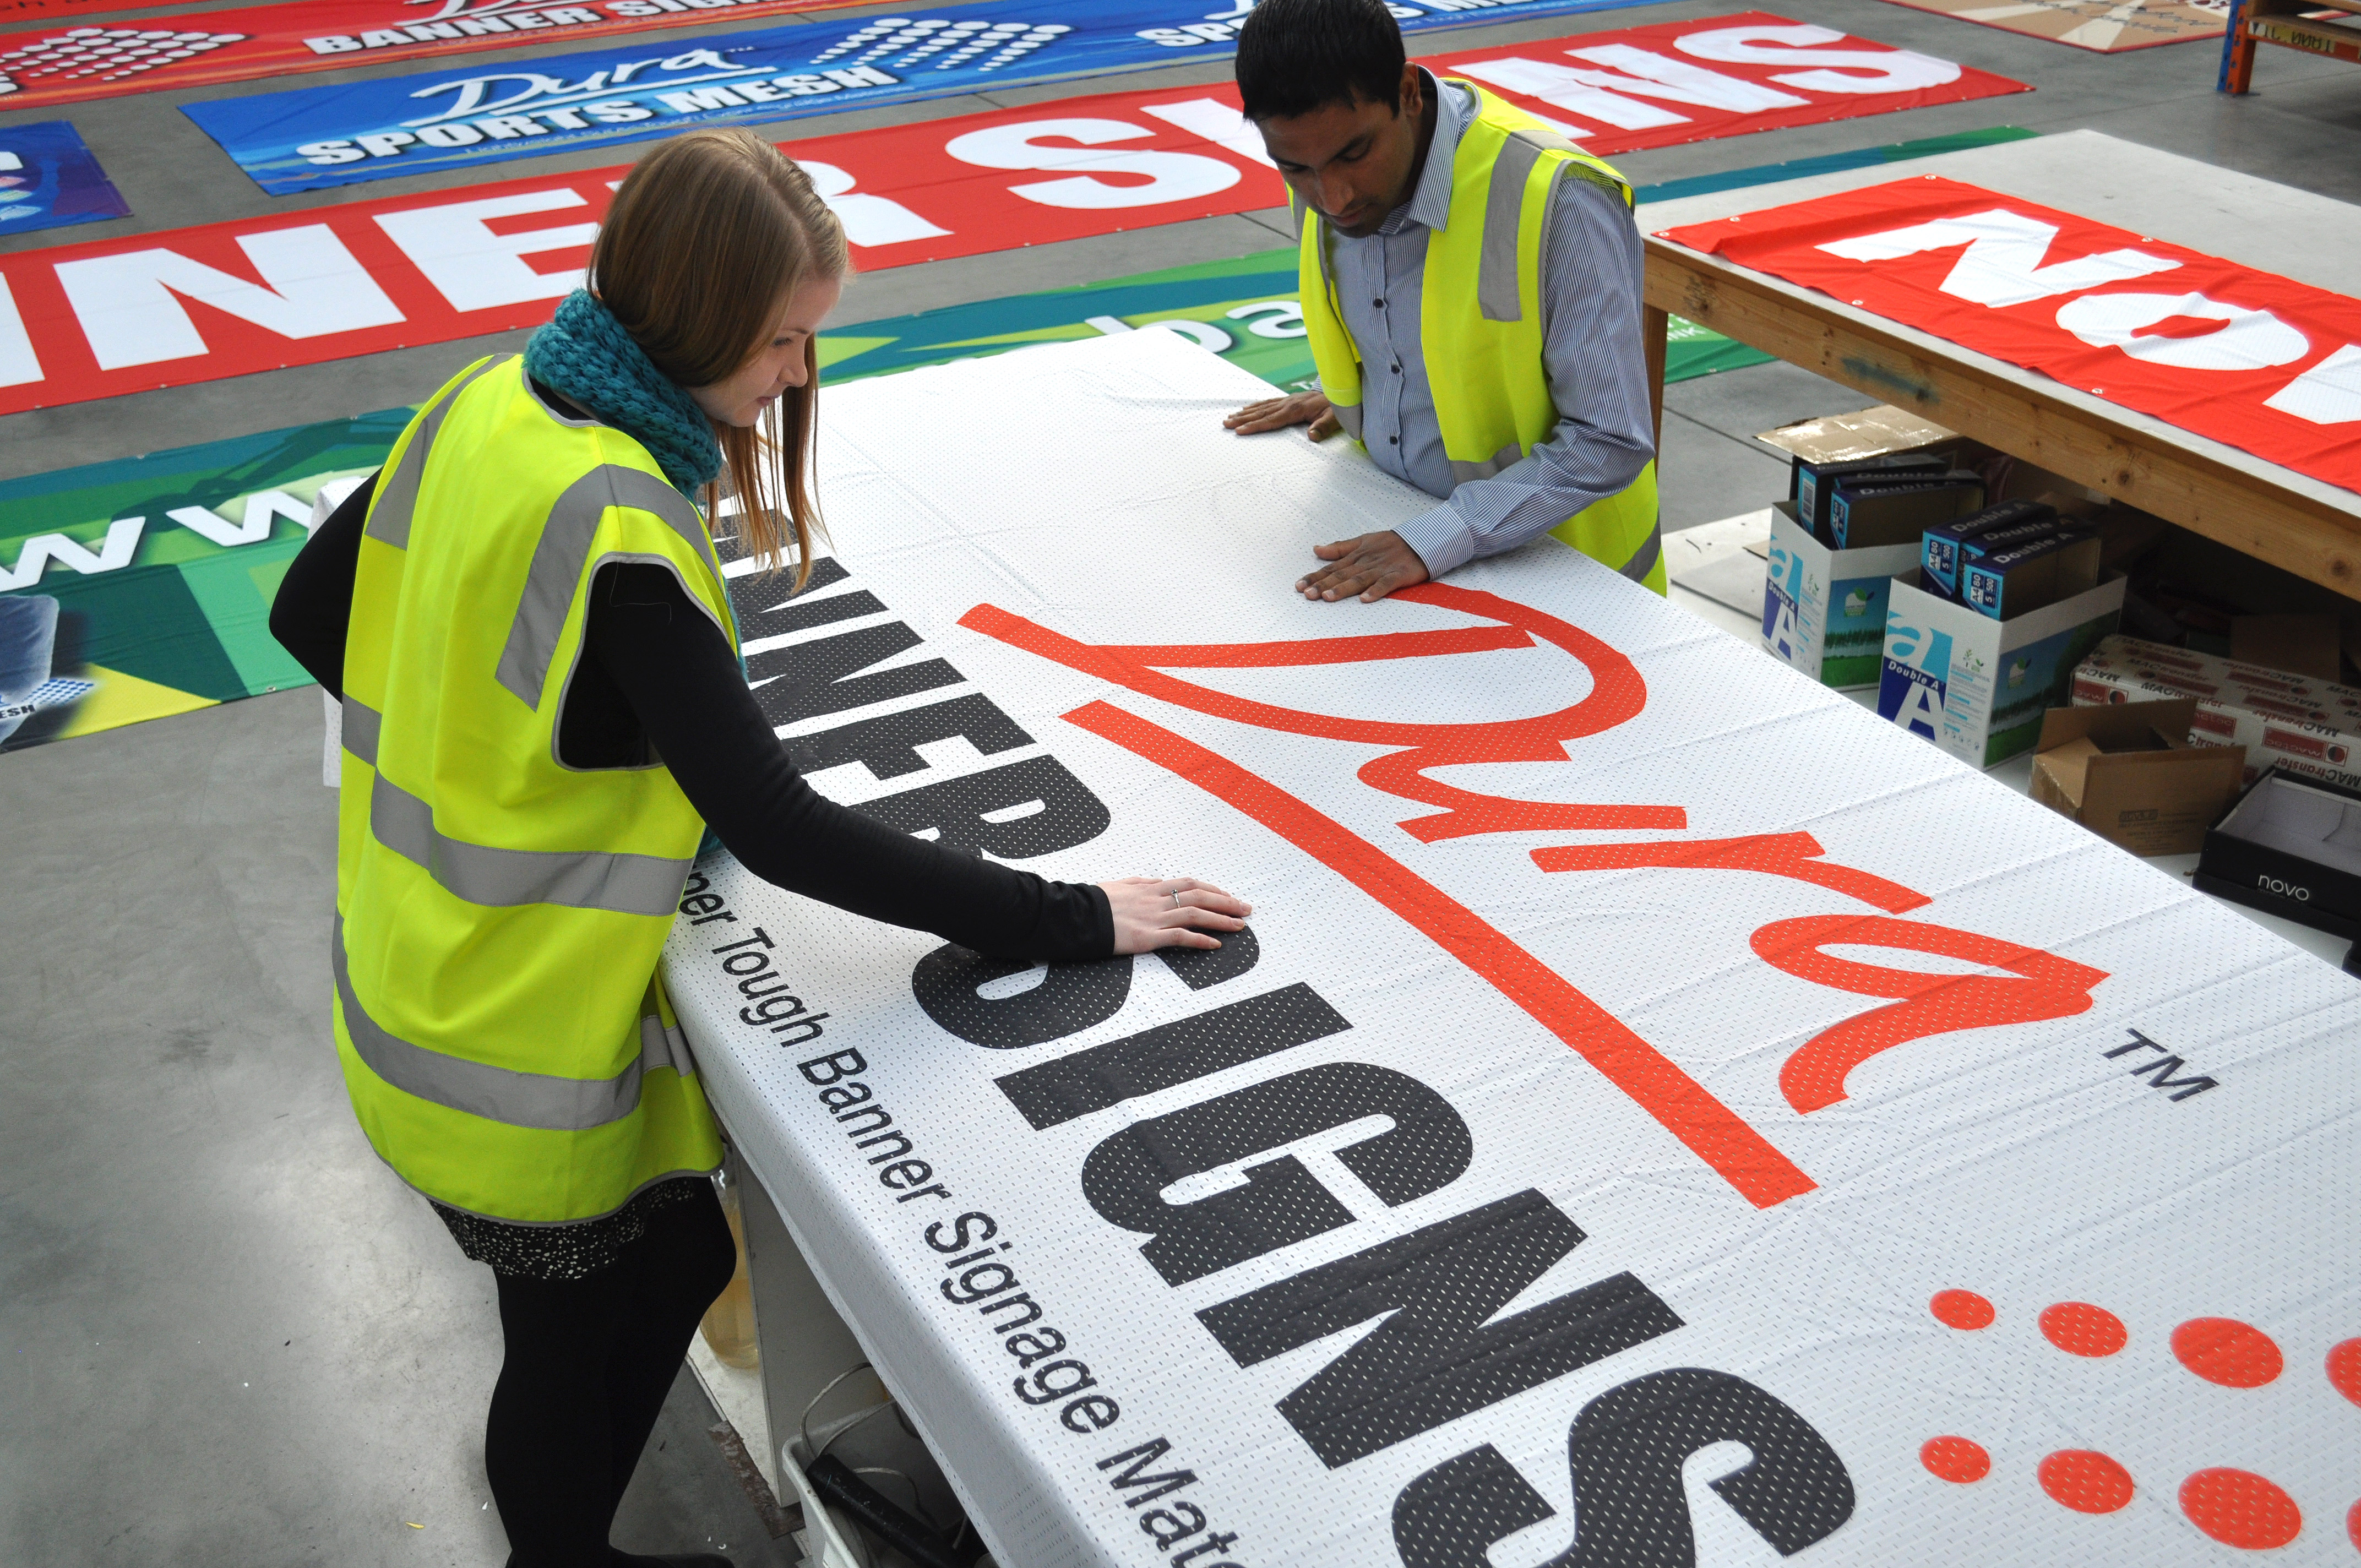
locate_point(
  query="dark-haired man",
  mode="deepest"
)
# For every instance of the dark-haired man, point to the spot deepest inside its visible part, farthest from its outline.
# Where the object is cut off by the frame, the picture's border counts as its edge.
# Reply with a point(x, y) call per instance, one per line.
point(1471, 287)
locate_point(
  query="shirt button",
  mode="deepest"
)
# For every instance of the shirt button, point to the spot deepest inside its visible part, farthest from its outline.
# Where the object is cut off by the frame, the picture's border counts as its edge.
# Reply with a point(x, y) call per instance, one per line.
point(1397, 369)
point(1393, 441)
point(1379, 303)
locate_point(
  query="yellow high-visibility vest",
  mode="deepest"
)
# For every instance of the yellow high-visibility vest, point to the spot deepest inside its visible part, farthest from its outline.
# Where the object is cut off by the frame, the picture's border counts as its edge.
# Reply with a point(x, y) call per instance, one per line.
point(507, 1044)
point(1480, 323)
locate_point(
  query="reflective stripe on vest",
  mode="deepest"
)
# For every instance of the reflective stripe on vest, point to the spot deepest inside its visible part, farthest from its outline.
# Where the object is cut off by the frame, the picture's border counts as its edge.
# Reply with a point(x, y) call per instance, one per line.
point(504, 879)
point(628, 884)
point(558, 560)
point(397, 496)
point(502, 1095)
point(1479, 323)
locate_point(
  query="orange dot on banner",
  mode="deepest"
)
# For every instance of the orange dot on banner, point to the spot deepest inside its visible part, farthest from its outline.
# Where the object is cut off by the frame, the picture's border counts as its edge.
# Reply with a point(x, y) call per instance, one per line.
point(2345, 1370)
point(2225, 1351)
point(1957, 1459)
point(1963, 1308)
point(2238, 1507)
point(2086, 1481)
point(2079, 1329)
point(2353, 1526)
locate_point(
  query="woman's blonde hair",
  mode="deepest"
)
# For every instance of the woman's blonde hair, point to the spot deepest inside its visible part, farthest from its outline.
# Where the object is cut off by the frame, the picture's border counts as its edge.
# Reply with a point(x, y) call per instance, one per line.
point(707, 236)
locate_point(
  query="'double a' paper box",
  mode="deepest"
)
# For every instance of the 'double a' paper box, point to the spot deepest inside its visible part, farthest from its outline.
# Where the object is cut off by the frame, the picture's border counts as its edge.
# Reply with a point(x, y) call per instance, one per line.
point(1823, 610)
point(1976, 686)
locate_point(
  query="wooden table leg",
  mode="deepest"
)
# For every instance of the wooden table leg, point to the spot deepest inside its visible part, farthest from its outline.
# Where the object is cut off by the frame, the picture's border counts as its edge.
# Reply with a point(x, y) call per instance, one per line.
point(1653, 326)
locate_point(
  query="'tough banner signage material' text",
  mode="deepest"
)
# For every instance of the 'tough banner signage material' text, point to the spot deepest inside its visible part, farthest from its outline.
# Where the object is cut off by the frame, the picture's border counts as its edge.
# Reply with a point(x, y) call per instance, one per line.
point(1640, 87)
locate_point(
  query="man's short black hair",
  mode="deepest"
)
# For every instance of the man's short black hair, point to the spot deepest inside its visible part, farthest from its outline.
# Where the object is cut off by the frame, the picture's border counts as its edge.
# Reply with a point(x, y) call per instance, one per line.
point(1296, 56)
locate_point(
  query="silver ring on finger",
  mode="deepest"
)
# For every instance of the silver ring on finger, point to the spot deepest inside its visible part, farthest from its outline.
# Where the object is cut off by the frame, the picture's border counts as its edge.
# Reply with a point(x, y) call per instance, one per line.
point(1176, 898)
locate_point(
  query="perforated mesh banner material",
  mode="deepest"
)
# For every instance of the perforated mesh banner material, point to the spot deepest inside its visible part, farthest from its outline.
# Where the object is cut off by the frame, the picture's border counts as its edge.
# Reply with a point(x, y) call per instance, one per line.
point(1663, 1115)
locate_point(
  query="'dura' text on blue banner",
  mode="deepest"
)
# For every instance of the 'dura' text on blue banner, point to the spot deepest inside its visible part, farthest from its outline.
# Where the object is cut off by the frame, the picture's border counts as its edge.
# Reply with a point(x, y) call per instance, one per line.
point(633, 90)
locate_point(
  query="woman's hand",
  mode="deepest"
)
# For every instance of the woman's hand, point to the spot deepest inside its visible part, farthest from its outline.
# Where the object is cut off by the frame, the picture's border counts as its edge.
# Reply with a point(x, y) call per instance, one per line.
point(1170, 912)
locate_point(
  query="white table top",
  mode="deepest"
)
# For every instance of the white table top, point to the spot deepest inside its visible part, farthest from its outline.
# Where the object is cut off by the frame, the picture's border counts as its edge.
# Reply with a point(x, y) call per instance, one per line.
point(1487, 1160)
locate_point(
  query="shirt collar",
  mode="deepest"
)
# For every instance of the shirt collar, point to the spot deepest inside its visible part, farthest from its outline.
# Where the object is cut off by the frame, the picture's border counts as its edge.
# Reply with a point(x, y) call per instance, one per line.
point(1430, 202)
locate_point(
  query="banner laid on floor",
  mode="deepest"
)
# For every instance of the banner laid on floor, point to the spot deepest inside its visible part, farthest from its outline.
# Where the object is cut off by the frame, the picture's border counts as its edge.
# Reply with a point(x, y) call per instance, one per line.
point(50, 180)
point(1639, 87)
point(163, 616)
point(1663, 1115)
point(108, 317)
point(142, 587)
point(32, 10)
point(2255, 361)
point(2104, 25)
point(1245, 309)
point(68, 65)
point(105, 318)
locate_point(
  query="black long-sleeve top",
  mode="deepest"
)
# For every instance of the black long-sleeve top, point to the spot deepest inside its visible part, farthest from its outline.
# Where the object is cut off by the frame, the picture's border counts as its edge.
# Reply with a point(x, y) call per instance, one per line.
point(659, 677)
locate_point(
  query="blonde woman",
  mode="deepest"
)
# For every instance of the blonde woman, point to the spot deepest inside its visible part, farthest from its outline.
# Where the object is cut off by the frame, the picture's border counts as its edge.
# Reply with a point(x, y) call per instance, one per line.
point(523, 619)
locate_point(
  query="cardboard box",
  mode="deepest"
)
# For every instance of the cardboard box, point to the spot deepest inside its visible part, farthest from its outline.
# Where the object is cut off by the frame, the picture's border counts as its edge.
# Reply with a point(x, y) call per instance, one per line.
point(2129, 775)
point(2018, 581)
point(1870, 433)
point(2308, 727)
point(1943, 547)
point(2288, 685)
point(1823, 610)
point(2306, 645)
point(1815, 487)
point(2291, 848)
point(1976, 686)
point(1874, 509)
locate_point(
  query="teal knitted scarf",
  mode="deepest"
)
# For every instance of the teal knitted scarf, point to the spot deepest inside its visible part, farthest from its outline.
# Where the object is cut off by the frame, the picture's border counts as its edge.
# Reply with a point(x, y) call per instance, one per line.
point(585, 355)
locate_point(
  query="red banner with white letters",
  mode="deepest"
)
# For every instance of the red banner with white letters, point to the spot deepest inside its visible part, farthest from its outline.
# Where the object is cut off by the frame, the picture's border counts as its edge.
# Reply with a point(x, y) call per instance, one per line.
point(135, 312)
point(31, 10)
point(2258, 361)
point(196, 305)
point(1716, 76)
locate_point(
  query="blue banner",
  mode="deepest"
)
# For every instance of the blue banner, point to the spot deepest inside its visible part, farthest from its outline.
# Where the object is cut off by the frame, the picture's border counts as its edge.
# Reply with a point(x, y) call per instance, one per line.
point(633, 90)
point(49, 179)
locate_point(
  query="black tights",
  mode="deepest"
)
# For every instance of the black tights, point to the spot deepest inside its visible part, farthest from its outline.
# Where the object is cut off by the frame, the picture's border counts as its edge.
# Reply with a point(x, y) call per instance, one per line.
point(589, 1364)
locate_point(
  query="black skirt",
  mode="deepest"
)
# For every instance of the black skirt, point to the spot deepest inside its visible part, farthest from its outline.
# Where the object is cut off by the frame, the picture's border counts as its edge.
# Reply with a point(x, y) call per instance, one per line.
point(575, 1250)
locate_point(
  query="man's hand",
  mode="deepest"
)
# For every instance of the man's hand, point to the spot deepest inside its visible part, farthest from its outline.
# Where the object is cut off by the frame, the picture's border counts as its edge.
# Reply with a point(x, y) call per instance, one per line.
point(1170, 912)
point(1373, 566)
point(1278, 414)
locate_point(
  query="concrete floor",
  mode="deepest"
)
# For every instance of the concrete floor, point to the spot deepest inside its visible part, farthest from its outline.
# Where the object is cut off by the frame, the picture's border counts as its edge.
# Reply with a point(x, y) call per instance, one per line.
point(230, 1337)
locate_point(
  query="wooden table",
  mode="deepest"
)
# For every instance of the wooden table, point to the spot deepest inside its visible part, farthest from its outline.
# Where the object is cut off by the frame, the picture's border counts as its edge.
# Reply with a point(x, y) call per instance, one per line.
point(2304, 525)
point(2289, 24)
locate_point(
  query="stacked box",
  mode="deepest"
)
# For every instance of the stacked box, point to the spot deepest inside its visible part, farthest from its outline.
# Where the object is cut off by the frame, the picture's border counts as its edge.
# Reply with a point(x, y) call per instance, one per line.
point(1887, 509)
point(1946, 548)
point(2303, 726)
point(2009, 583)
point(1823, 610)
point(1976, 686)
point(1813, 485)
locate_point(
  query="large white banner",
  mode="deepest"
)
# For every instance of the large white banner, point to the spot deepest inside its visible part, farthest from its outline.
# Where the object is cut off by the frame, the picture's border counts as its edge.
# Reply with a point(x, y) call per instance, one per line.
point(1662, 1115)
